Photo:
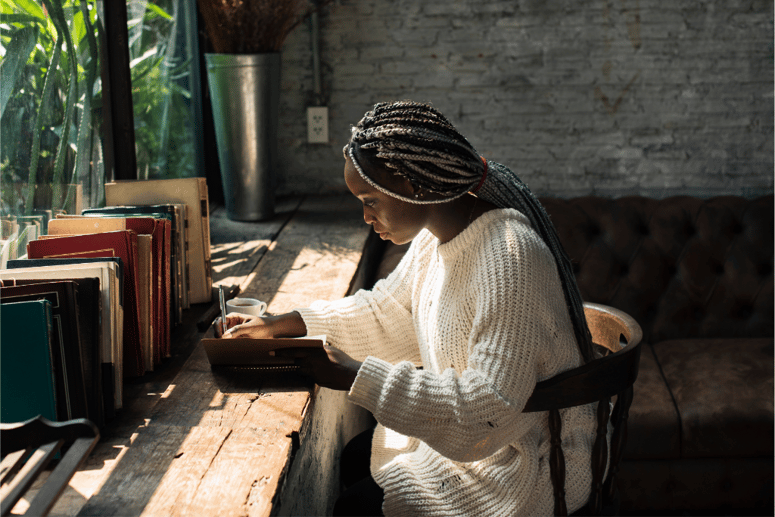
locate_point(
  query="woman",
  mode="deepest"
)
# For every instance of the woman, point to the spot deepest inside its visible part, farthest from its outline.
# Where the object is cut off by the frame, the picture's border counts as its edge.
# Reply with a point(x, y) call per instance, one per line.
point(484, 301)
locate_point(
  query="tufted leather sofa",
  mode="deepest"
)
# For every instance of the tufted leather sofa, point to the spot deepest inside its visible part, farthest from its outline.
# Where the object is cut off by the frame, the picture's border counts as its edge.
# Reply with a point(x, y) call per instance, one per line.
point(697, 275)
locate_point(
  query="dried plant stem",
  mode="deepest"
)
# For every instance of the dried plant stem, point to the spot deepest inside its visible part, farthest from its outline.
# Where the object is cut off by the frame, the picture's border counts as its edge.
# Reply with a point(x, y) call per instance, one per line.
point(253, 26)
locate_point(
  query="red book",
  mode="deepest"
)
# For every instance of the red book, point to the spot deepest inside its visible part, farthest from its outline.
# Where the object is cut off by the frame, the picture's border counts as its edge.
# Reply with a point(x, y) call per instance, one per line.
point(156, 229)
point(160, 230)
point(108, 244)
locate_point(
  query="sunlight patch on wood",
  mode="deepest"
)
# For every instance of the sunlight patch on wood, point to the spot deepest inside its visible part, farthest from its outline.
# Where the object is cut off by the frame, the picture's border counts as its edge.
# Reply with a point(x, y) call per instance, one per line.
point(333, 268)
point(168, 391)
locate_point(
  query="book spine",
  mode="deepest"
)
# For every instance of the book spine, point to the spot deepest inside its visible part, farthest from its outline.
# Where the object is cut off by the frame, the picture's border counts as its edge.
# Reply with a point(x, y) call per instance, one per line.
point(205, 213)
point(49, 333)
point(175, 268)
point(134, 364)
point(168, 294)
point(187, 257)
point(161, 300)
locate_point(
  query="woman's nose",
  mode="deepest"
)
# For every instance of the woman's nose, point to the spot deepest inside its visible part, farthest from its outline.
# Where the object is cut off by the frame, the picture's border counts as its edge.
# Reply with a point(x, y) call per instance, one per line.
point(369, 218)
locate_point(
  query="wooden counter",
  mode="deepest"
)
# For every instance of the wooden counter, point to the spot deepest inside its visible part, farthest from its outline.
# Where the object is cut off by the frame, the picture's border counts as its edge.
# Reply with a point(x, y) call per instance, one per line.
point(191, 441)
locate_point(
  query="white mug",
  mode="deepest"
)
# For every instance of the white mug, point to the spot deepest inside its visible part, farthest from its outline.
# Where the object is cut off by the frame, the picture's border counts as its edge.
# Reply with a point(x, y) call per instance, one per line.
point(246, 306)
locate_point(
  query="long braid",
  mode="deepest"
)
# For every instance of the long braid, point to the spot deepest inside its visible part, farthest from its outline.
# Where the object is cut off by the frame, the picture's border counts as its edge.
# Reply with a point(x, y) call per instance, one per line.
point(417, 142)
point(505, 190)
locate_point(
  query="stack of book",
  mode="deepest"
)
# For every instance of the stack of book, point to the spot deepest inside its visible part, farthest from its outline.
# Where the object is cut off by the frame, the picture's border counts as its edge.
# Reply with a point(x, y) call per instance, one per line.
point(103, 290)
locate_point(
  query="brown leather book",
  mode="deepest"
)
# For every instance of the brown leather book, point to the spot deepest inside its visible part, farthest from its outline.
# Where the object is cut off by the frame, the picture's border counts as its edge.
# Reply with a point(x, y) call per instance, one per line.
point(257, 353)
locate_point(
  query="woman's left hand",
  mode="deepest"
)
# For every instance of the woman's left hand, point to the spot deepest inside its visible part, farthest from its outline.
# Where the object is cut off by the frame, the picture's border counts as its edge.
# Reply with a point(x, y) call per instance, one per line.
point(328, 366)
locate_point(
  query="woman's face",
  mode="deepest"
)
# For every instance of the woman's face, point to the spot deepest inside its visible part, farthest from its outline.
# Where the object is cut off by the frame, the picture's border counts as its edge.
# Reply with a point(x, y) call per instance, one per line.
point(391, 218)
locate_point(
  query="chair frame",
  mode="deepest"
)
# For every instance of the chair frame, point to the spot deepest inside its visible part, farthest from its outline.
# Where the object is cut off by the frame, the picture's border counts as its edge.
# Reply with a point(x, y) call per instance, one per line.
point(28, 447)
point(612, 374)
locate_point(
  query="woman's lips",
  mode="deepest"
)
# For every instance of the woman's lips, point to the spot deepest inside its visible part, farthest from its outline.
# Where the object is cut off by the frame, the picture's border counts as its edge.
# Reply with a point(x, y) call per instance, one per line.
point(382, 235)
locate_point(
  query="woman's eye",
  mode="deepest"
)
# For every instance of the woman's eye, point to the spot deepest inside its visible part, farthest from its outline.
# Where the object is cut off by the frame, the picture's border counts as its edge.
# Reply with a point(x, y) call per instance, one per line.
point(369, 203)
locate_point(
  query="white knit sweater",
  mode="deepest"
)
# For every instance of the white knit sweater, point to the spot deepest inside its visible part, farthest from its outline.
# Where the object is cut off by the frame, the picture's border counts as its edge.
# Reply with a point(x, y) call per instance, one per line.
point(485, 317)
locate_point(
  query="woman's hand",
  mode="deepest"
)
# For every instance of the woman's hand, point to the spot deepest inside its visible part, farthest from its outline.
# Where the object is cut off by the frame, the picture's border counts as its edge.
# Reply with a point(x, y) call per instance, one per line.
point(328, 366)
point(245, 326)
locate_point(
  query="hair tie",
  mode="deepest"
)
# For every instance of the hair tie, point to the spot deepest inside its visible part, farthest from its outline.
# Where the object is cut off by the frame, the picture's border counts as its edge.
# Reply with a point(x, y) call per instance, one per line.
point(484, 175)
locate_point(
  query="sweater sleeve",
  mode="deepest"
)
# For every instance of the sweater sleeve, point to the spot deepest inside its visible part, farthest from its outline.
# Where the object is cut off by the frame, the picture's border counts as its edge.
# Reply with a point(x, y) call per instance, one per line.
point(470, 416)
point(376, 322)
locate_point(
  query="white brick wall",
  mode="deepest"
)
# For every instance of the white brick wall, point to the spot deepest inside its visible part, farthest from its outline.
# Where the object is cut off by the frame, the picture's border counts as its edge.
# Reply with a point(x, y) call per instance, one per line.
point(608, 97)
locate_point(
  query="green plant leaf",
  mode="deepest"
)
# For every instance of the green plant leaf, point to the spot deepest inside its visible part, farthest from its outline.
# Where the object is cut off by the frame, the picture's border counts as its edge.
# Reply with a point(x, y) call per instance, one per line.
point(37, 129)
point(18, 18)
point(175, 87)
point(148, 54)
point(29, 6)
point(84, 139)
point(79, 29)
point(158, 10)
point(16, 55)
point(58, 15)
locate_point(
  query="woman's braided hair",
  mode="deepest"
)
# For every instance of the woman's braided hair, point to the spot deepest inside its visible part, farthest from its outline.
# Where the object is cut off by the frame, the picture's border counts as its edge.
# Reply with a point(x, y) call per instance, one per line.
point(417, 142)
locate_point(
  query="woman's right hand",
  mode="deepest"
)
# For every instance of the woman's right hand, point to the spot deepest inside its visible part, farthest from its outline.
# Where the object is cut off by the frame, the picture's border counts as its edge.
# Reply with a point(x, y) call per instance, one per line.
point(243, 325)
point(255, 327)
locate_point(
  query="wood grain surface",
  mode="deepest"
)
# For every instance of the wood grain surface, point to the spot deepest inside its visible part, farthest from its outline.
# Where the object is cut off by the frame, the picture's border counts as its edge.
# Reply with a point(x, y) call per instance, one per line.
point(200, 442)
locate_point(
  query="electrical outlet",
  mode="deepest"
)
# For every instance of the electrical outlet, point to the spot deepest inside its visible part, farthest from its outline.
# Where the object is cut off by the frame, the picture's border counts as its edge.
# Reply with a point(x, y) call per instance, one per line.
point(317, 125)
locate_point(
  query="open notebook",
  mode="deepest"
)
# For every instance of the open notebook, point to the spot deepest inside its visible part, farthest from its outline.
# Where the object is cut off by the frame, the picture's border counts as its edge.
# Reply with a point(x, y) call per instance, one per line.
point(256, 353)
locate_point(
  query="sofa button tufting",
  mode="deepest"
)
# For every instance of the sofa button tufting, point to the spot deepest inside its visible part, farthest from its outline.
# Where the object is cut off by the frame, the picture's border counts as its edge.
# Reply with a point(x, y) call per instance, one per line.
point(701, 286)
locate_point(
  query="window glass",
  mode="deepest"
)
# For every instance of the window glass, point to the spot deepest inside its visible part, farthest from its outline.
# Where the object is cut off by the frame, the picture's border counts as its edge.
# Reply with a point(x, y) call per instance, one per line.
point(51, 121)
point(160, 57)
point(50, 99)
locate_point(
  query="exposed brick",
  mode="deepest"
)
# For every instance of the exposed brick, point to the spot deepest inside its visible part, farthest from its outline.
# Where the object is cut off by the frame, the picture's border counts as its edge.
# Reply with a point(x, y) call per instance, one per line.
point(446, 8)
point(642, 97)
point(494, 7)
point(408, 66)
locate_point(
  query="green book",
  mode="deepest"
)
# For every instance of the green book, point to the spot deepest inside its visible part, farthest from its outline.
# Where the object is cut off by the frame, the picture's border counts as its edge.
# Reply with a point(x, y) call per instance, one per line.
point(27, 386)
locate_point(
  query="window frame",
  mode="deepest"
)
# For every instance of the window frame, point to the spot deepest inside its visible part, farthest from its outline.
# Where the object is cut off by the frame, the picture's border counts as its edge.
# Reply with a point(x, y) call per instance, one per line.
point(120, 161)
point(120, 157)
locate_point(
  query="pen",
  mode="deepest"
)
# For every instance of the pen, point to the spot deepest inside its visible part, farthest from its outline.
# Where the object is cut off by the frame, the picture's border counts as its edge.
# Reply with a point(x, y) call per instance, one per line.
point(222, 298)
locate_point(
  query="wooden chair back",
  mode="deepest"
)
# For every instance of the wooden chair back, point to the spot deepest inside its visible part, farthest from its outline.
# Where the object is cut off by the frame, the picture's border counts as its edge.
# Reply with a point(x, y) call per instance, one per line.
point(28, 447)
point(618, 338)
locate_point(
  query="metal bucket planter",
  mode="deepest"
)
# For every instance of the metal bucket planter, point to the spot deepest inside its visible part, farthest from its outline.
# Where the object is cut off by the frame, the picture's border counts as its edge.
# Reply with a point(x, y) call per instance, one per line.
point(245, 97)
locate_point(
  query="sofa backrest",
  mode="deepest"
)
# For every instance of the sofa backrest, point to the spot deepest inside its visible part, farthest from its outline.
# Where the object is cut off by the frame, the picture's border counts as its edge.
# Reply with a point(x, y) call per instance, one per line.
point(683, 267)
